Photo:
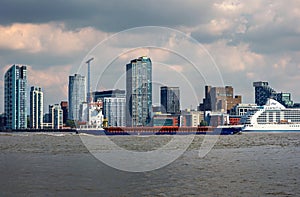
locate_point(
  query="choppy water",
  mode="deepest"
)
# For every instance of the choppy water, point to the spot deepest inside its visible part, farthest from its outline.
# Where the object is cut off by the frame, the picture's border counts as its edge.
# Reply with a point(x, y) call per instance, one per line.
point(251, 164)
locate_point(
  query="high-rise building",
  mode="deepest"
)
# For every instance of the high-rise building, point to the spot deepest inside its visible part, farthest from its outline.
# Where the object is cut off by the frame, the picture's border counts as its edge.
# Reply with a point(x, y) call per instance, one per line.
point(219, 99)
point(263, 92)
point(56, 115)
point(114, 111)
point(77, 95)
point(64, 107)
point(36, 108)
point(2, 121)
point(170, 100)
point(15, 97)
point(206, 104)
point(139, 92)
point(100, 95)
point(285, 99)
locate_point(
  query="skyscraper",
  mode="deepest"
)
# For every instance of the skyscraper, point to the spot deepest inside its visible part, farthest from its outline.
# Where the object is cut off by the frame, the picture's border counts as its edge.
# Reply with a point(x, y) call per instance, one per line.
point(170, 100)
point(15, 82)
point(219, 99)
point(77, 95)
point(36, 108)
point(139, 92)
point(114, 111)
point(64, 107)
point(263, 92)
point(56, 115)
point(100, 95)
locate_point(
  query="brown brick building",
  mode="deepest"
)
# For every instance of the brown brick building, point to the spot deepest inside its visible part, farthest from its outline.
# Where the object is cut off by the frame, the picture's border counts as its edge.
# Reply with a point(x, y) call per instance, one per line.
point(219, 99)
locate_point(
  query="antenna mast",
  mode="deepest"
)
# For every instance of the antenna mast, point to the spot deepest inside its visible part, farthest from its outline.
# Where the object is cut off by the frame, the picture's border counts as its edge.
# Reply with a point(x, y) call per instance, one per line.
point(89, 90)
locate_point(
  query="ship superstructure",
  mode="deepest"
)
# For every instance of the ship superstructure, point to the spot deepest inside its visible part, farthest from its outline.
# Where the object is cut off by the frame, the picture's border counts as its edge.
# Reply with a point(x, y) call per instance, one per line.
point(272, 117)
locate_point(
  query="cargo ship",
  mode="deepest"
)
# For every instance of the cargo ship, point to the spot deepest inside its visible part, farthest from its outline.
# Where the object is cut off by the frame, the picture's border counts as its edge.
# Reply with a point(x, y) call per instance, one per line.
point(272, 117)
point(164, 130)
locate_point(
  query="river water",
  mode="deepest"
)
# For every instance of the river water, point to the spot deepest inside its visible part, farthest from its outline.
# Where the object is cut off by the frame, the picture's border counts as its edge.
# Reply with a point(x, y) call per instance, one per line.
point(55, 164)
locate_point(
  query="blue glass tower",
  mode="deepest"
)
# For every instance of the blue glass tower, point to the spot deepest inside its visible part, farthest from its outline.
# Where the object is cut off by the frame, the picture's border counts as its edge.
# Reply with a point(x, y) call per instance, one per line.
point(77, 95)
point(139, 92)
point(15, 98)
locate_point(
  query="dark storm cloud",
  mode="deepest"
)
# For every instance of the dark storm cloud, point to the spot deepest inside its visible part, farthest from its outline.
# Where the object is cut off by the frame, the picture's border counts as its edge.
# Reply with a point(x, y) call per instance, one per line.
point(273, 39)
point(105, 15)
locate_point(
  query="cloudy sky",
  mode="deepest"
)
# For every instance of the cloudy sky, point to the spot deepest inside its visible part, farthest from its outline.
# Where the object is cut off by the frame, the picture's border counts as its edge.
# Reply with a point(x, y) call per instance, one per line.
point(239, 42)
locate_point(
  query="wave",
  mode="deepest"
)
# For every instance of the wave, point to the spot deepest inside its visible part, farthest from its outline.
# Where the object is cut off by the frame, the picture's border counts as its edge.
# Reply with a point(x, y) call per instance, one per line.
point(54, 134)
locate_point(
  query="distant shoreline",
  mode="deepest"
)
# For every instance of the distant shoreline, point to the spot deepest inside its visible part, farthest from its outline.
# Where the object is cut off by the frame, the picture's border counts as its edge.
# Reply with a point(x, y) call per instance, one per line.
point(36, 130)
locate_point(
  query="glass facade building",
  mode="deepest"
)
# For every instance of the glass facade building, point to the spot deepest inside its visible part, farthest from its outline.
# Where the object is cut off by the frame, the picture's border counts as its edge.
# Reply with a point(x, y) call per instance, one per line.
point(77, 95)
point(170, 100)
point(15, 97)
point(263, 92)
point(36, 108)
point(139, 92)
point(114, 111)
point(100, 95)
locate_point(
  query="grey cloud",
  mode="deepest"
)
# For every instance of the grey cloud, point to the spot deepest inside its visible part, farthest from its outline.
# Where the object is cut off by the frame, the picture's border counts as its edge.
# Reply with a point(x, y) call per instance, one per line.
point(39, 61)
point(106, 15)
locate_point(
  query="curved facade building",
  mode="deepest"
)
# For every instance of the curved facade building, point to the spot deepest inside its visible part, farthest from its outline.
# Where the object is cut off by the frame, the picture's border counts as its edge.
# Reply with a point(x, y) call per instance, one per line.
point(15, 97)
point(77, 95)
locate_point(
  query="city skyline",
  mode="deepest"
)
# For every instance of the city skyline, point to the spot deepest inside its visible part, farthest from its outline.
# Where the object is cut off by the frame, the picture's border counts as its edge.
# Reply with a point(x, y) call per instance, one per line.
point(249, 40)
point(136, 108)
point(80, 82)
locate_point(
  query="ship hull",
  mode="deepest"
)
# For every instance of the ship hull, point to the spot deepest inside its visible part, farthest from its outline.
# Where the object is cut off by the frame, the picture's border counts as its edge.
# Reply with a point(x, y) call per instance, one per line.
point(272, 128)
point(163, 131)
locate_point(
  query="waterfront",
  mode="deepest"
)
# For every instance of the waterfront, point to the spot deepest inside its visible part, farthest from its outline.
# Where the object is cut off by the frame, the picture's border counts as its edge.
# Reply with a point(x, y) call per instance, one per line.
point(251, 164)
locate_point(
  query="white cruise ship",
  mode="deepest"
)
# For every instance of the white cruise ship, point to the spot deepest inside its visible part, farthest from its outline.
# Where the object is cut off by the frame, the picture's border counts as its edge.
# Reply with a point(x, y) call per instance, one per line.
point(272, 117)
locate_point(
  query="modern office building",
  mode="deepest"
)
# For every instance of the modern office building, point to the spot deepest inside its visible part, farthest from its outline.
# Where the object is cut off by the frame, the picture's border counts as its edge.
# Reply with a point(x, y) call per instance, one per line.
point(36, 108)
point(139, 92)
point(206, 104)
point(191, 118)
point(285, 99)
point(263, 92)
point(100, 95)
point(114, 111)
point(2, 122)
point(65, 109)
point(15, 97)
point(77, 95)
point(160, 120)
point(56, 115)
point(170, 100)
point(216, 118)
point(219, 99)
